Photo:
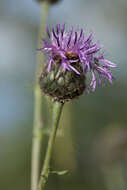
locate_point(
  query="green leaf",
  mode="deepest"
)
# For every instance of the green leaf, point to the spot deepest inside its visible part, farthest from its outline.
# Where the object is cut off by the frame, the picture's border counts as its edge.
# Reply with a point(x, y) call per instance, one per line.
point(63, 172)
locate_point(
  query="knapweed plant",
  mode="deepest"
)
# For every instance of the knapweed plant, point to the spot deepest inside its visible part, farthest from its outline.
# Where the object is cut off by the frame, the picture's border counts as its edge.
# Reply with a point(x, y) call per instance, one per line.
point(71, 56)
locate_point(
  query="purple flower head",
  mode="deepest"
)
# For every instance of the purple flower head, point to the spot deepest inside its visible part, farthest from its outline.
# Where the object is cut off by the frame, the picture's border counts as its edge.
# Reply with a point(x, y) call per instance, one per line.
point(75, 47)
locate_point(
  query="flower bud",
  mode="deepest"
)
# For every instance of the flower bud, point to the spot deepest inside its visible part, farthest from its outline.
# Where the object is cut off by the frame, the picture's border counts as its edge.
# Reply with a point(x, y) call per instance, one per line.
point(49, 1)
point(62, 86)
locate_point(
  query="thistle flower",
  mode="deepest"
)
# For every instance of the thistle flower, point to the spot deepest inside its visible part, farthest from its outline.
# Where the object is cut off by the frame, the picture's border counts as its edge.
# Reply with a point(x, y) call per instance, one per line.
point(72, 55)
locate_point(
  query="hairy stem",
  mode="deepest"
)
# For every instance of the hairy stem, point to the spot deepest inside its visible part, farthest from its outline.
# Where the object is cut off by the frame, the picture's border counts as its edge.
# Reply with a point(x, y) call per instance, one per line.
point(57, 109)
point(38, 123)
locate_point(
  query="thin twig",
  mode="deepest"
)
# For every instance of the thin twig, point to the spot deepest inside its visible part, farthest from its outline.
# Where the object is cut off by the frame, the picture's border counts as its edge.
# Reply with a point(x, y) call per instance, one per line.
point(57, 109)
point(38, 124)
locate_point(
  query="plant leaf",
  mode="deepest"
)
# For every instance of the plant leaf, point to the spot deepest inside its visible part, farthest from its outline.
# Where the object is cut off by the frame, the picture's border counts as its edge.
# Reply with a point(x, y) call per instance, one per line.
point(63, 172)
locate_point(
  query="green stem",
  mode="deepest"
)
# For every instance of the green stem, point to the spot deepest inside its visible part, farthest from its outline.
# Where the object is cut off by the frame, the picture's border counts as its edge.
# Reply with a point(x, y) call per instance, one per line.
point(57, 109)
point(38, 123)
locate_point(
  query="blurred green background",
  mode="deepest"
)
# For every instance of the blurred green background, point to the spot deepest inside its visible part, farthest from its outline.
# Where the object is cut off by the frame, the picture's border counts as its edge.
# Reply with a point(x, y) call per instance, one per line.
point(93, 144)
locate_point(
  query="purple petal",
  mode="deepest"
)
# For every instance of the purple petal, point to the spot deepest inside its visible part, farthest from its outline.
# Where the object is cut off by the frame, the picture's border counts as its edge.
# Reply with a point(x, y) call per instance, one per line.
point(109, 63)
point(70, 35)
point(75, 40)
point(47, 30)
point(93, 81)
point(92, 50)
point(88, 40)
point(49, 65)
point(56, 37)
point(86, 63)
point(64, 66)
point(73, 61)
point(99, 80)
point(81, 33)
point(104, 72)
point(75, 70)
point(63, 28)
point(39, 49)
point(58, 28)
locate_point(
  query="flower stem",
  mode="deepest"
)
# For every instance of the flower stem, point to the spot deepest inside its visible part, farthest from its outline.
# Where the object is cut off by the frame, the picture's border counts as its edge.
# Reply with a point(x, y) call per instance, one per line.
point(57, 110)
point(38, 123)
